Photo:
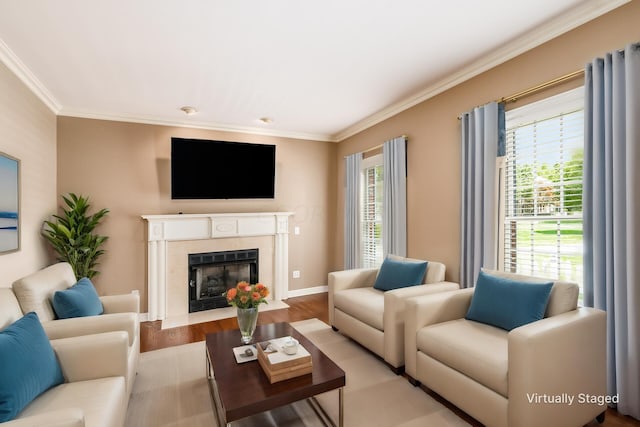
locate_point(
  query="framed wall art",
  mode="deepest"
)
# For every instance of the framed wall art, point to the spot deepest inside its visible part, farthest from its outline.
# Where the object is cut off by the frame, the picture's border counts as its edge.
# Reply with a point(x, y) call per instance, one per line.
point(9, 204)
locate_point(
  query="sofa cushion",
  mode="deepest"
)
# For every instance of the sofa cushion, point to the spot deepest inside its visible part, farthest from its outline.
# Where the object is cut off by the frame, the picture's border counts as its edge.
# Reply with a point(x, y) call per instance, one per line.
point(28, 365)
point(365, 304)
point(102, 401)
point(507, 303)
point(563, 297)
point(34, 291)
point(474, 349)
point(400, 273)
point(80, 300)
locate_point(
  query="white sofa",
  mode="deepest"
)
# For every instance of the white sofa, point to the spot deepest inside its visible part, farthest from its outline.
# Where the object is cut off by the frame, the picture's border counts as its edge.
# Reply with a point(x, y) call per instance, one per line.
point(34, 292)
point(95, 367)
point(375, 318)
point(501, 378)
point(94, 392)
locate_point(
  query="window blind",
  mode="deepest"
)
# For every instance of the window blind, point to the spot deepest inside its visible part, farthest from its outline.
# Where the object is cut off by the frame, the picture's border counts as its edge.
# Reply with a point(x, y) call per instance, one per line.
point(371, 217)
point(542, 228)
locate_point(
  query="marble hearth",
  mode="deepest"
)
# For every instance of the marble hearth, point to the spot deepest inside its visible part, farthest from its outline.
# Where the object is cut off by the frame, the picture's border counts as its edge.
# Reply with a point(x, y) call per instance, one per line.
point(171, 238)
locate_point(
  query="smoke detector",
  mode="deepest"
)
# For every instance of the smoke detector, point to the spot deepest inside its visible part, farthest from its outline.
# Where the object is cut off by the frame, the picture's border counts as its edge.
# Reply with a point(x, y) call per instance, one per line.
point(189, 111)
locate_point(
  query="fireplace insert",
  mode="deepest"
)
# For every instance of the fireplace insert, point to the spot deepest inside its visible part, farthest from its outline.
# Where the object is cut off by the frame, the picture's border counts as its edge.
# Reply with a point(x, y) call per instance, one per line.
point(212, 273)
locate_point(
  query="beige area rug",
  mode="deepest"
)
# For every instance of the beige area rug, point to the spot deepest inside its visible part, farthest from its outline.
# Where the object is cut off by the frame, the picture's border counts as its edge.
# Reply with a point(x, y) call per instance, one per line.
point(171, 390)
point(212, 315)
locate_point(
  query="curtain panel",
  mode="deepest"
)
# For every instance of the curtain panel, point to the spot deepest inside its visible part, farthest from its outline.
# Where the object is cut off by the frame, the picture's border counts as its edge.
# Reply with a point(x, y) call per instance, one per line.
point(394, 204)
point(611, 201)
point(352, 211)
point(480, 135)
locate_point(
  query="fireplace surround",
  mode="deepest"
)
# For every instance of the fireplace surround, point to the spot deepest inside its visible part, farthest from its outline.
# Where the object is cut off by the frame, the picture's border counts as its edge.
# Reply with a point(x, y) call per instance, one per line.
point(168, 235)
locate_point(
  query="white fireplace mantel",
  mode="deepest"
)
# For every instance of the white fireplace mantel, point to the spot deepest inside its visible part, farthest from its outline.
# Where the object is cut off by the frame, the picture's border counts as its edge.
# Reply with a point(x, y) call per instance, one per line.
point(181, 227)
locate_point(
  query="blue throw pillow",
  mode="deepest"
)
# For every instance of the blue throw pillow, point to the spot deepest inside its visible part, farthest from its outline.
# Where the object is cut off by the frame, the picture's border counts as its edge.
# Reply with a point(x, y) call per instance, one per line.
point(28, 365)
point(507, 303)
point(395, 274)
point(77, 301)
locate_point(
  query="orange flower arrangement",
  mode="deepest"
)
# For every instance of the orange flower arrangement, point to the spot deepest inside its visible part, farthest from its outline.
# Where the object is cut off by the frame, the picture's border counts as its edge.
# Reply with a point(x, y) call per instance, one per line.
point(245, 295)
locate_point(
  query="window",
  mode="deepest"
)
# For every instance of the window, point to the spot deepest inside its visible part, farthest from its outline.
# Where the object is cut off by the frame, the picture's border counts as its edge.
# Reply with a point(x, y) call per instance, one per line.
point(371, 194)
point(541, 174)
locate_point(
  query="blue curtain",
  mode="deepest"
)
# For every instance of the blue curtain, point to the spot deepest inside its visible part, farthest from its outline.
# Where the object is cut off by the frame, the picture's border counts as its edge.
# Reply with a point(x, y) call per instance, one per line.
point(611, 214)
point(351, 211)
point(482, 129)
point(394, 202)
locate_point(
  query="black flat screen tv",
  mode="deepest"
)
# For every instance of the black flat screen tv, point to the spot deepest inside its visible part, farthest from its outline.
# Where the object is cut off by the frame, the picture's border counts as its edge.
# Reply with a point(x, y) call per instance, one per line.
point(205, 169)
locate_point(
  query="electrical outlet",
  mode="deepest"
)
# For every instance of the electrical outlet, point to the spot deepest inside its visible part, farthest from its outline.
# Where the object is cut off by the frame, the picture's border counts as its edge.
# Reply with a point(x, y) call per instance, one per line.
point(296, 274)
point(296, 231)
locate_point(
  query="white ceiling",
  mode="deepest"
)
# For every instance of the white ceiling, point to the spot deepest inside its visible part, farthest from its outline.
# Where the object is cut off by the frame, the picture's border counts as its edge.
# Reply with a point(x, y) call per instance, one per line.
point(321, 70)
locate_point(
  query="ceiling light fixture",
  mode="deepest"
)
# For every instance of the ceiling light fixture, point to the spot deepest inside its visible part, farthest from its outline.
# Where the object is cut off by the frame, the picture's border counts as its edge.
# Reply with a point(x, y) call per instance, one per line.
point(189, 111)
point(266, 120)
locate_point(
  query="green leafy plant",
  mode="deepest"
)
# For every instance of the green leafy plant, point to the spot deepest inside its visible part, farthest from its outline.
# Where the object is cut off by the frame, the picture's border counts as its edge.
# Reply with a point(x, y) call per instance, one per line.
point(72, 235)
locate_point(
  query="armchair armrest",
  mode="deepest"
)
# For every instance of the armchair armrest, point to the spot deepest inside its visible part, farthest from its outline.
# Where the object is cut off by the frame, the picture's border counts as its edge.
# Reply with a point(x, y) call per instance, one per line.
point(70, 417)
point(430, 309)
point(427, 310)
point(348, 279)
point(394, 316)
point(125, 303)
point(65, 328)
point(563, 355)
point(93, 356)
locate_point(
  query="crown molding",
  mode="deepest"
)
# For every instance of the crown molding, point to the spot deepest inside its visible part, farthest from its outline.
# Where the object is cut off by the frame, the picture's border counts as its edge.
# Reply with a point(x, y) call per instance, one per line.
point(25, 75)
point(150, 120)
point(582, 14)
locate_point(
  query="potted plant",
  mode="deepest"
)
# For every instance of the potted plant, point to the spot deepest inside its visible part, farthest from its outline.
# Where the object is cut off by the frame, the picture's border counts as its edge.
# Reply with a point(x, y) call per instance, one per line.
point(72, 235)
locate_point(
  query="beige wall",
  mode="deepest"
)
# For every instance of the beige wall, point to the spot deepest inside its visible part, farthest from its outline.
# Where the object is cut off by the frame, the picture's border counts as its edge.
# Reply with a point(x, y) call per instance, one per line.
point(125, 168)
point(28, 133)
point(433, 187)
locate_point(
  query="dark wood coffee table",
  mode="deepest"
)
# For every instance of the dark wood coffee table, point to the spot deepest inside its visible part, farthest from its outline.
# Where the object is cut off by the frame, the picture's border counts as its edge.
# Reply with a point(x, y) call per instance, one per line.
point(242, 390)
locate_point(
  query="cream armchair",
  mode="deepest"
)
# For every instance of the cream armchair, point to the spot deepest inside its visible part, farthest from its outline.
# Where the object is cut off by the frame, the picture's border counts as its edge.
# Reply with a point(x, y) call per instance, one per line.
point(94, 390)
point(375, 318)
point(34, 292)
point(506, 378)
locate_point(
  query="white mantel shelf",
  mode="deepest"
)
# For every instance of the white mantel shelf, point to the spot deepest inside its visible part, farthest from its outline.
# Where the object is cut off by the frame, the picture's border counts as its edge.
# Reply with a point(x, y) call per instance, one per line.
point(180, 227)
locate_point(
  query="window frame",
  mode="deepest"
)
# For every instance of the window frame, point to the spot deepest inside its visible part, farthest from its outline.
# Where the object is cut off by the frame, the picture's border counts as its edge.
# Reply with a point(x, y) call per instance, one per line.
point(564, 103)
point(376, 160)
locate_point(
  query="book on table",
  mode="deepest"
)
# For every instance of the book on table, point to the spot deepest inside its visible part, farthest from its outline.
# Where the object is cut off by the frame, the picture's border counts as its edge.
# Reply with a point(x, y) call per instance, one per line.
point(278, 365)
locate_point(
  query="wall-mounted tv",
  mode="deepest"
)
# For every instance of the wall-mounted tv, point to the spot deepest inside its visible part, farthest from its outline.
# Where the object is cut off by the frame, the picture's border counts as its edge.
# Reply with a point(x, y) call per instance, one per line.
point(205, 169)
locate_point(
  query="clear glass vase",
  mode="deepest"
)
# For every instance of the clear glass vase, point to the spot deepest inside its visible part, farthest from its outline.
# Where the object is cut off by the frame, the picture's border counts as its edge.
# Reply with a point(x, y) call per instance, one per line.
point(247, 318)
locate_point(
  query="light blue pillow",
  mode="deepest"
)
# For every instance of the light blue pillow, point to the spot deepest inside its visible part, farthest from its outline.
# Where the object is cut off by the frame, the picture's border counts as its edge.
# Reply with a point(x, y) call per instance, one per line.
point(507, 303)
point(395, 274)
point(28, 365)
point(79, 300)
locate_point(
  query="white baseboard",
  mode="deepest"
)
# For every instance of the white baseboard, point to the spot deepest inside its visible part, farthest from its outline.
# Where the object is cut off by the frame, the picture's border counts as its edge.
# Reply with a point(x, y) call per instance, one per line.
point(307, 291)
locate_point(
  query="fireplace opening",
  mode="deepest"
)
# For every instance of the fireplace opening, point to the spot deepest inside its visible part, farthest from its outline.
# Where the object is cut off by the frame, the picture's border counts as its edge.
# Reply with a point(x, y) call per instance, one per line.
point(212, 273)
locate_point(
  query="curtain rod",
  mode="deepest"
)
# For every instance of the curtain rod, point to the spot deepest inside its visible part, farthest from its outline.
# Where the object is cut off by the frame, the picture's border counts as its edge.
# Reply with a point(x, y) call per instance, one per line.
point(379, 145)
point(382, 145)
point(535, 89)
point(538, 88)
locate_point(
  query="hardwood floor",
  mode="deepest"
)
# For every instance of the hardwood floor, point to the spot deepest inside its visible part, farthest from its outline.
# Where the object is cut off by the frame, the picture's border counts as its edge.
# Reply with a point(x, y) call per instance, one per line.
point(152, 337)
